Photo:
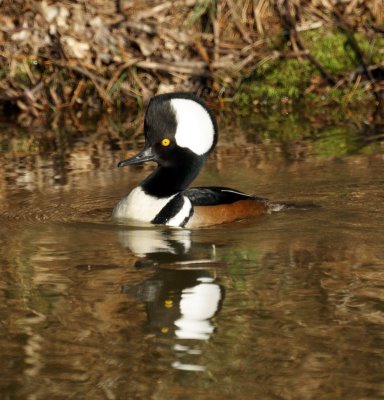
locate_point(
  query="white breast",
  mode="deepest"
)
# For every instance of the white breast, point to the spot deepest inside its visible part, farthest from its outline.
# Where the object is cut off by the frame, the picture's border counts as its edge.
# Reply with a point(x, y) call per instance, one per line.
point(141, 207)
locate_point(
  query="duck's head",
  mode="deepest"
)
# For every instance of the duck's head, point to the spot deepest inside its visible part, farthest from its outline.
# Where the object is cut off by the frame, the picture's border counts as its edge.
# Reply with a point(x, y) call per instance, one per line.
point(179, 131)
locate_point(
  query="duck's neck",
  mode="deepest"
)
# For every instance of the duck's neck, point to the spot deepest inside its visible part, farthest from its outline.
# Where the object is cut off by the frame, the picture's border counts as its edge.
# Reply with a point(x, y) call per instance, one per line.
point(167, 181)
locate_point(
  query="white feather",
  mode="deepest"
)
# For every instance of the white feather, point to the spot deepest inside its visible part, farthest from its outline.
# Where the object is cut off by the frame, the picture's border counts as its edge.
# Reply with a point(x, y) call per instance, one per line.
point(184, 213)
point(195, 129)
point(139, 206)
point(236, 192)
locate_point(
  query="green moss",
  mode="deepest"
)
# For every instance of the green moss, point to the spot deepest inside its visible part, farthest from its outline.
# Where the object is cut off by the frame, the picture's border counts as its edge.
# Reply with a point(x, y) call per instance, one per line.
point(282, 81)
point(331, 49)
point(372, 48)
point(335, 53)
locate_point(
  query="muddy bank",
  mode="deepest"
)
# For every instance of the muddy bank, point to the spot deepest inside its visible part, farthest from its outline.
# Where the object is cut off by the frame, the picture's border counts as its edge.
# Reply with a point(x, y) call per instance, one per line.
point(109, 55)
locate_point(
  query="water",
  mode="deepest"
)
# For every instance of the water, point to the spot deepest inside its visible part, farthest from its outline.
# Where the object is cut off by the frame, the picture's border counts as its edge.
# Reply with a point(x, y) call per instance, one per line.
point(287, 306)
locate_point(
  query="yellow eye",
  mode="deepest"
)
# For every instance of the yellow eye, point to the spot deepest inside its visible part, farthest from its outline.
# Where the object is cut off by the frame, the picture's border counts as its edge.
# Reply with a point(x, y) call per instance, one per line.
point(165, 142)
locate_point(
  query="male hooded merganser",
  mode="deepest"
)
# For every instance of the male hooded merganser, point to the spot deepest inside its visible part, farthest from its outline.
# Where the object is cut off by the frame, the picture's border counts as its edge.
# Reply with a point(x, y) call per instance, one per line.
point(180, 131)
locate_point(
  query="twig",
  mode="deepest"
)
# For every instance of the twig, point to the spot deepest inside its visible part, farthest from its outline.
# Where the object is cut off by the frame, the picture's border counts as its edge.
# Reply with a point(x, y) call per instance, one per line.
point(82, 71)
point(348, 96)
point(216, 19)
point(194, 68)
point(238, 22)
point(154, 11)
point(77, 92)
point(202, 50)
point(258, 6)
point(117, 74)
point(141, 27)
point(309, 26)
point(145, 92)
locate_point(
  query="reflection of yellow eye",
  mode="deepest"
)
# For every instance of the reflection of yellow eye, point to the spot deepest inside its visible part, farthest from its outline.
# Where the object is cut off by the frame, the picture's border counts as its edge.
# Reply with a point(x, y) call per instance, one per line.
point(165, 142)
point(168, 303)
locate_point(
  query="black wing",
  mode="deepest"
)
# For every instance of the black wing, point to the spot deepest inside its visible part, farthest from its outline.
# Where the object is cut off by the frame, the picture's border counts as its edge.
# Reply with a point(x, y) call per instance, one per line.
point(211, 196)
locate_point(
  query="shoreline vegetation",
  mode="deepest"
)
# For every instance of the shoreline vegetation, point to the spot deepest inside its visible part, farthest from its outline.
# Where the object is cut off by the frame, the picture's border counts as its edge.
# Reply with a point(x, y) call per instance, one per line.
point(106, 55)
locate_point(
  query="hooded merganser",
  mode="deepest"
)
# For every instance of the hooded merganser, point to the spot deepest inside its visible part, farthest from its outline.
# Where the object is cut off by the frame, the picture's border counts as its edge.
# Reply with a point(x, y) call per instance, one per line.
point(180, 131)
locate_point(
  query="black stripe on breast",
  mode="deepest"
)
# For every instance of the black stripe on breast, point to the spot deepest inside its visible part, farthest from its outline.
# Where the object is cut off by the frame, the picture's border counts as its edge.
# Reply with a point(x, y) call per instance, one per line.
point(170, 210)
point(213, 196)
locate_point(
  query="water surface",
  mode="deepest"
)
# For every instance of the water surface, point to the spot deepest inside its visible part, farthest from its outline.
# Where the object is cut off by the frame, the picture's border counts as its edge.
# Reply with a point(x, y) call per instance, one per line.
point(287, 306)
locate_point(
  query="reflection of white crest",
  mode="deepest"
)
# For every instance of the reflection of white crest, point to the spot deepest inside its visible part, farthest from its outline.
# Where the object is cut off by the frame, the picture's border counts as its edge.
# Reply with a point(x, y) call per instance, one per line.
point(197, 305)
point(146, 241)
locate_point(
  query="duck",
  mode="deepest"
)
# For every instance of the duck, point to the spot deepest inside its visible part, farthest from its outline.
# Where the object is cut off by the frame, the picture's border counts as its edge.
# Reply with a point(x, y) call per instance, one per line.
point(180, 133)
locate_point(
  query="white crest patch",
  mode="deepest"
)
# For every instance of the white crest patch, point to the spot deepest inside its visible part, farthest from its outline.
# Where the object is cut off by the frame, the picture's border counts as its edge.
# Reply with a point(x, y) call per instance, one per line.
point(195, 129)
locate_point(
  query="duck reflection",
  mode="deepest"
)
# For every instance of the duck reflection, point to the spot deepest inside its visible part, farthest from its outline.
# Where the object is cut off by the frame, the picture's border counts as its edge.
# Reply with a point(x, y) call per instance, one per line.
point(182, 296)
point(159, 245)
point(166, 245)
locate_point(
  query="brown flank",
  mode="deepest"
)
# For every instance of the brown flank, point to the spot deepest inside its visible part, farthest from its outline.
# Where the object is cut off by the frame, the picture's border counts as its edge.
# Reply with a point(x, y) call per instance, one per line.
point(213, 215)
